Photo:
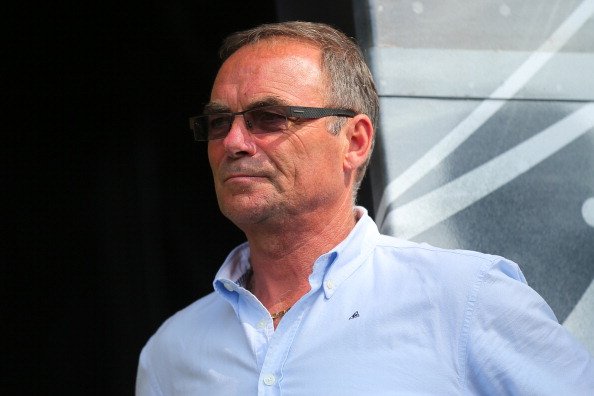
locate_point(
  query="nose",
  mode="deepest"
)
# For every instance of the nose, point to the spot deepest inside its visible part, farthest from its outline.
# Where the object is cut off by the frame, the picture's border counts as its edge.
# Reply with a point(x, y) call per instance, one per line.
point(239, 141)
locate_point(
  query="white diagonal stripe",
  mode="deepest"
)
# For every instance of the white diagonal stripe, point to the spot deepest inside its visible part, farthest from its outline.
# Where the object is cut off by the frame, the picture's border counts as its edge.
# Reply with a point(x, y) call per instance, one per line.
point(486, 109)
point(413, 218)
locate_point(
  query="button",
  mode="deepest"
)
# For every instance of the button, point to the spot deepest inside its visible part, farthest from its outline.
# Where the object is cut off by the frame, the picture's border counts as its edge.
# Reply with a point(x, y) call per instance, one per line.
point(262, 324)
point(229, 286)
point(269, 379)
point(329, 284)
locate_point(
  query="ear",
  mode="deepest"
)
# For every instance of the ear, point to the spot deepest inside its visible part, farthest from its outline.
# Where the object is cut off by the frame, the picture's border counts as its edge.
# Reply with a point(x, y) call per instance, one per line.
point(359, 136)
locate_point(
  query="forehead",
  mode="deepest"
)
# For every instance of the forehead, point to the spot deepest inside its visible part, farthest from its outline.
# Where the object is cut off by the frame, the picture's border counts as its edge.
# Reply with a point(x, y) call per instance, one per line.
point(287, 69)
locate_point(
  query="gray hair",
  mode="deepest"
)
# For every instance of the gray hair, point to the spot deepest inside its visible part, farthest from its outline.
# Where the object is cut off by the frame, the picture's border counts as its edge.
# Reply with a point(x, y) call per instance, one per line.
point(343, 64)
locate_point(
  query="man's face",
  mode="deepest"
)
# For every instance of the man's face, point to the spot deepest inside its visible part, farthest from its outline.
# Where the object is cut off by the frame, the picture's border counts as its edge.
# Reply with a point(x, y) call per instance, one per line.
point(273, 177)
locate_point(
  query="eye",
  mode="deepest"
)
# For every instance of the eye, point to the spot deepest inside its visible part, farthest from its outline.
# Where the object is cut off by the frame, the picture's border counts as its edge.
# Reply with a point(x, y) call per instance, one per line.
point(217, 122)
point(269, 120)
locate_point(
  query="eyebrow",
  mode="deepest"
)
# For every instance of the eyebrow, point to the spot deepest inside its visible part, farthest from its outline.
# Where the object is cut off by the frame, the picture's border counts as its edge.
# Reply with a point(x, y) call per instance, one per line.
point(215, 108)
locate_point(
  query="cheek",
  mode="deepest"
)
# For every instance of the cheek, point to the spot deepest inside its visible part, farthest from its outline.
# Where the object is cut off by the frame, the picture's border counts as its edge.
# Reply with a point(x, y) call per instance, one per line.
point(312, 163)
point(212, 148)
point(325, 166)
point(215, 153)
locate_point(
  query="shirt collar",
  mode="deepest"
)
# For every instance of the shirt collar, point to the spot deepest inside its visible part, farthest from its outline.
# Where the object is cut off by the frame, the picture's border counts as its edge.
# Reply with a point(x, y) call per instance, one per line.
point(349, 254)
point(230, 275)
point(330, 270)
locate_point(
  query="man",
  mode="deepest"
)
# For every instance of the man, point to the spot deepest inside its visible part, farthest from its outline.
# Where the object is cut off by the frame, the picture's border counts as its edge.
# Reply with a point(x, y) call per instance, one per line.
point(317, 302)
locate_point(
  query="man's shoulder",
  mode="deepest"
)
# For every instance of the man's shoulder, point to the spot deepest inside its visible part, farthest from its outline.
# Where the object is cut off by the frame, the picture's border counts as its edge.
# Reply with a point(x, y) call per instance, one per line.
point(423, 256)
point(205, 306)
point(185, 338)
point(403, 246)
point(191, 320)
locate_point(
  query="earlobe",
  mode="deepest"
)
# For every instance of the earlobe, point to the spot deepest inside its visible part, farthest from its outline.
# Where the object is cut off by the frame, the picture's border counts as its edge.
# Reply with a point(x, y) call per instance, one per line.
point(360, 137)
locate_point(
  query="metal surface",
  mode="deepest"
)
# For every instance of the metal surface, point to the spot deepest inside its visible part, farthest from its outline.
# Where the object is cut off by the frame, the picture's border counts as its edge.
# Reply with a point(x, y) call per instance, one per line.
point(486, 138)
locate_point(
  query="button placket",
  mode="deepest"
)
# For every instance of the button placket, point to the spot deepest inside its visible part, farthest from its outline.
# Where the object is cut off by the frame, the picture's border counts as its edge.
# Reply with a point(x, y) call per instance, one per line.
point(276, 354)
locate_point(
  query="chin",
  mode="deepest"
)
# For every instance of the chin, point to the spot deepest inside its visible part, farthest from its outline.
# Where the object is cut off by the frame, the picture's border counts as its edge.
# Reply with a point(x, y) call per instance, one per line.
point(247, 213)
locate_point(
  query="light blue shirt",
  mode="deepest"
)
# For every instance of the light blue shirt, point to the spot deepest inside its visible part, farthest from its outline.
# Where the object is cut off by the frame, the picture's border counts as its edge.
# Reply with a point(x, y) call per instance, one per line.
point(383, 317)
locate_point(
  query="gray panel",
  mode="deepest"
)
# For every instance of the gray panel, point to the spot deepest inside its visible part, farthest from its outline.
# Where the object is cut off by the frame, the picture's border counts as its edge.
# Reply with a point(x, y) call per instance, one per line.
point(478, 74)
point(511, 25)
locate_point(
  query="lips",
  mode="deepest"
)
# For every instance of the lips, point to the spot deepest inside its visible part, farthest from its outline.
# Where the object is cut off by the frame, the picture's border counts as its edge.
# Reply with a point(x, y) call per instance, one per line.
point(226, 176)
point(232, 171)
point(239, 176)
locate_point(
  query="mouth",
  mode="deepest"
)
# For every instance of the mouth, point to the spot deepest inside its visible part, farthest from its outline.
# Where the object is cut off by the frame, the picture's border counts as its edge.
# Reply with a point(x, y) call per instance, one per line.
point(241, 177)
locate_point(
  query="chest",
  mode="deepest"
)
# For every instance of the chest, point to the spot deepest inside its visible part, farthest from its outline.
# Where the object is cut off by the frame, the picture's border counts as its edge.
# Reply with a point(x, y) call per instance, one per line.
point(346, 346)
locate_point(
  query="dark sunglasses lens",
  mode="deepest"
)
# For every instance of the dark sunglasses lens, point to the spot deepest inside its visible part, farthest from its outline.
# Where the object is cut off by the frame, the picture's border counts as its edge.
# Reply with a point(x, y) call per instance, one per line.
point(200, 129)
point(218, 125)
point(267, 120)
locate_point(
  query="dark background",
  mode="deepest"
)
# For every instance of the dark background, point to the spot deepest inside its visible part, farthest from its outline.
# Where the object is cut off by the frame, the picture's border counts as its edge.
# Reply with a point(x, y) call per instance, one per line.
point(110, 223)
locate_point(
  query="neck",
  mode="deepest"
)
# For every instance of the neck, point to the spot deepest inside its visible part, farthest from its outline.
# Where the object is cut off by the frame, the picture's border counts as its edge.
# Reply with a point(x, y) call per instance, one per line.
point(282, 255)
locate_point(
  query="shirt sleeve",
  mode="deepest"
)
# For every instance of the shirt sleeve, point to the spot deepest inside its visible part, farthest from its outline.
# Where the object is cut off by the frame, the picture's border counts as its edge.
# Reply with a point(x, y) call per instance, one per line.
point(514, 344)
point(145, 382)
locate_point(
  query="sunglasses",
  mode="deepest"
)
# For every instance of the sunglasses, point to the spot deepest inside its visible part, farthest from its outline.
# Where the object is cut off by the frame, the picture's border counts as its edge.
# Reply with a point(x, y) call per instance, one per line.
point(265, 119)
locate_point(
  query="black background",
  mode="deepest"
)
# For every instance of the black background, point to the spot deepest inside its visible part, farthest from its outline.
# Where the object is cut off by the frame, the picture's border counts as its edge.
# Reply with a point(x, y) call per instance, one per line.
point(110, 223)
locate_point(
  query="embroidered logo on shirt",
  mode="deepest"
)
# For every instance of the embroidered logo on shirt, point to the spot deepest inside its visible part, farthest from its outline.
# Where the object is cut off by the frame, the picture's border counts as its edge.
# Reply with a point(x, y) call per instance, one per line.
point(355, 315)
